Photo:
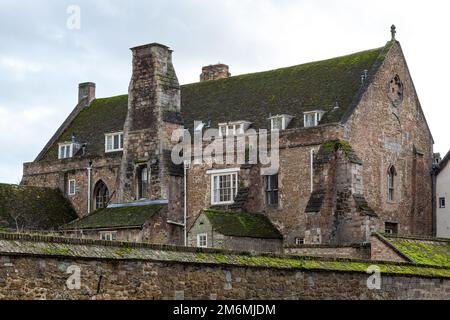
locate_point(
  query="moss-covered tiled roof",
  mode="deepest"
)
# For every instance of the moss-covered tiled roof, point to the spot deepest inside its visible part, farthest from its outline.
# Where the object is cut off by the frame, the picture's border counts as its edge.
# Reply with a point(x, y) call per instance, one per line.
point(33, 208)
point(435, 252)
point(321, 85)
point(102, 116)
point(119, 217)
point(293, 90)
point(242, 224)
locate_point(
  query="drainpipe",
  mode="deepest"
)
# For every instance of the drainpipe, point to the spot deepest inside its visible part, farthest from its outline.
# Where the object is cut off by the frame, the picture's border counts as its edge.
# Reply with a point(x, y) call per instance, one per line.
point(312, 170)
point(434, 172)
point(89, 170)
point(187, 166)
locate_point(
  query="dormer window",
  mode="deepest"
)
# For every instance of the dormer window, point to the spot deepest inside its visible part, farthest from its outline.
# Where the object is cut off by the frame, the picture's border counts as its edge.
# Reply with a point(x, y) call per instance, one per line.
point(312, 118)
point(65, 150)
point(280, 122)
point(114, 142)
point(233, 128)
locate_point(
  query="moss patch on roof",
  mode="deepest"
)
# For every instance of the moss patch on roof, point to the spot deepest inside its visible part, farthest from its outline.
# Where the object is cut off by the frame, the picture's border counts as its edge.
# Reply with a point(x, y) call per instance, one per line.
point(328, 148)
point(120, 217)
point(33, 208)
point(242, 224)
point(293, 90)
point(102, 116)
point(423, 251)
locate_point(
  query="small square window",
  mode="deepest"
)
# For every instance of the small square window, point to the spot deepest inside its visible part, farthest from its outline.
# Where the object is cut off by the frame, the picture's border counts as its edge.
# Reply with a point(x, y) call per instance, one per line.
point(114, 142)
point(391, 228)
point(202, 240)
point(72, 187)
point(299, 241)
point(65, 151)
point(442, 203)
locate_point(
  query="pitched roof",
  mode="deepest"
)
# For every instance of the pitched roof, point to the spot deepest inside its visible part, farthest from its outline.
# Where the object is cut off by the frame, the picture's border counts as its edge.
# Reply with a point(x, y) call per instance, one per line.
point(443, 163)
point(105, 115)
point(320, 85)
point(242, 224)
point(432, 251)
point(34, 208)
point(119, 217)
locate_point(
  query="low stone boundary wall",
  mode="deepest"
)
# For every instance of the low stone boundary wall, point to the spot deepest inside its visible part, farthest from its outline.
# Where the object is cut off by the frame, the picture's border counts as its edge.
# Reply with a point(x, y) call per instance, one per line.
point(350, 252)
point(38, 267)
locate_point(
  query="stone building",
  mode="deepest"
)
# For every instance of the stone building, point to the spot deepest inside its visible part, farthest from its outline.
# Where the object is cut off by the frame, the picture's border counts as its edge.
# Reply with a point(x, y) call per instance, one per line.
point(442, 194)
point(235, 231)
point(355, 150)
point(133, 222)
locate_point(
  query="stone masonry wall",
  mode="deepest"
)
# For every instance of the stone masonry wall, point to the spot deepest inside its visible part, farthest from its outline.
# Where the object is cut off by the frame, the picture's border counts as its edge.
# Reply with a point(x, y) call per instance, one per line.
point(57, 175)
point(109, 271)
point(350, 252)
point(394, 134)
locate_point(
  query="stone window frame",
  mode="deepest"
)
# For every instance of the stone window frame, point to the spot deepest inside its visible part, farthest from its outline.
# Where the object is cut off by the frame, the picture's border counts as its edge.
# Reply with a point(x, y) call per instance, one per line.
point(442, 203)
point(108, 235)
point(391, 228)
point(142, 185)
point(233, 185)
point(70, 191)
point(68, 150)
point(109, 144)
point(202, 238)
point(392, 173)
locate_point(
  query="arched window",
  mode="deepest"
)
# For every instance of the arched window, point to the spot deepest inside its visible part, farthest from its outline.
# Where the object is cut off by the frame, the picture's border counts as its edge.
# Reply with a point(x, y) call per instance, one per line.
point(391, 183)
point(101, 195)
point(142, 182)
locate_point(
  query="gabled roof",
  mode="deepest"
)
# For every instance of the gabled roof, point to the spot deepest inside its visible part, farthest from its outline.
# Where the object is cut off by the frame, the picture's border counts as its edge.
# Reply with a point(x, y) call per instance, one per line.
point(443, 163)
point(118, 217)
point(33, 208)
point(242, 224)
point(331, 85)
point(427, 251)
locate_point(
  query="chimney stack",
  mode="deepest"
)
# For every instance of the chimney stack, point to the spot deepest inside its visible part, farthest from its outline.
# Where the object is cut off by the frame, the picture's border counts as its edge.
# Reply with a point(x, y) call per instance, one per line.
point(86, 91)
point(215, 72)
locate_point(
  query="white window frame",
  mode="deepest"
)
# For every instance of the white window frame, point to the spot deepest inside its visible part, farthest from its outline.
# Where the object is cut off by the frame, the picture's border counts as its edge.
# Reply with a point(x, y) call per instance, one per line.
point(108, 236)
point(317, 117)
point(234, 184)
point(112, 137)
point(74, 191)
point(65, 146)
point(233, 128)
point(200, 238)
point(299, 241)
point(285, 120)
point(442, 202)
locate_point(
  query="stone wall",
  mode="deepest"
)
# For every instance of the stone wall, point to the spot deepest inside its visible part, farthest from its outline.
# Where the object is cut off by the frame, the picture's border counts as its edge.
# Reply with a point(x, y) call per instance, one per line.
point(395, 134)
point(57, 174)
point(381, 251)
point(39, 268)
point(351, 252)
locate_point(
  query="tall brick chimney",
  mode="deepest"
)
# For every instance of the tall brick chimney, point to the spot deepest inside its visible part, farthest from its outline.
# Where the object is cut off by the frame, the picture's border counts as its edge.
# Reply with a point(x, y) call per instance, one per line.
point(86, 90)
point(215, 72)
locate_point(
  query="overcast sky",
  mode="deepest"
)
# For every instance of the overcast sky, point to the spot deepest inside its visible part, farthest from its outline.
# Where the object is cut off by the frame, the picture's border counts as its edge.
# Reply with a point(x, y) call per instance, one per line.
point(42, 60)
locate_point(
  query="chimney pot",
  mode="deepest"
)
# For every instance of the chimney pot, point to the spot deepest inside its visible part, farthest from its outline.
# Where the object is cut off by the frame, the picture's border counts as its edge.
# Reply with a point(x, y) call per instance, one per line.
point(86, 91)
point(215, 72)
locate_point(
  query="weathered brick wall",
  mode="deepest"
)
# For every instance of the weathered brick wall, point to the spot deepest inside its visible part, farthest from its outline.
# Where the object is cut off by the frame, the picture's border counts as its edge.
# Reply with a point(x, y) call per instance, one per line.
point(351, 252)
point(390, 136)
point(380, 251)
point(57, 174)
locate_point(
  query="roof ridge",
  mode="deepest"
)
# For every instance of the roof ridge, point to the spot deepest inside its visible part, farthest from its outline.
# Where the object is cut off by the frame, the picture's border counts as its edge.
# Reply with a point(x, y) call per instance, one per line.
point(288, 67)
